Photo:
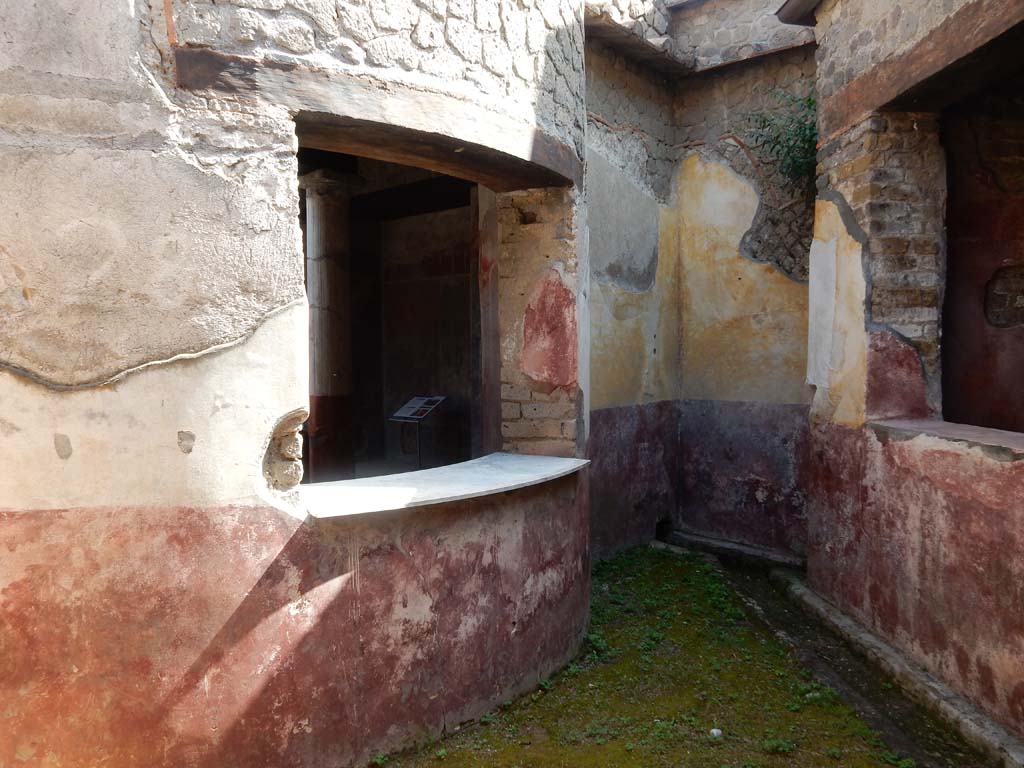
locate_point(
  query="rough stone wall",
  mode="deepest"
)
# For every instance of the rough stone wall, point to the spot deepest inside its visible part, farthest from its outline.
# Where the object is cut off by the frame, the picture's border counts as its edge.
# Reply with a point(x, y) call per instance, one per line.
point(890, 170)
point(647, 19)
point(539, 305)
point(630, 120)
point(714, 115)
point(520, 59)
point(854, 36)
point(715, 32)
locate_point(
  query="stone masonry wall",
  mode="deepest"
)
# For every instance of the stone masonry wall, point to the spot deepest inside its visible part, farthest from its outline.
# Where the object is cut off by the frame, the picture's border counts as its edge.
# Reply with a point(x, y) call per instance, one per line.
point(709, 34)
point(538, 293)
point(890, 169)
point(855, 35)
point(647, 19)
point(630, 119)
point(514, 58)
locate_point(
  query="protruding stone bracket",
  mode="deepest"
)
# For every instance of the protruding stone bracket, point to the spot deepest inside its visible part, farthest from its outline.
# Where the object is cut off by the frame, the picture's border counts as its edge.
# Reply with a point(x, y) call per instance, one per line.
point(282, 462)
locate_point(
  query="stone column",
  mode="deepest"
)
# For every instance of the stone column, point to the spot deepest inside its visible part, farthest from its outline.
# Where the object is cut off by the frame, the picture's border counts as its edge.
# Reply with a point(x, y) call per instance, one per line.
point(328, 288)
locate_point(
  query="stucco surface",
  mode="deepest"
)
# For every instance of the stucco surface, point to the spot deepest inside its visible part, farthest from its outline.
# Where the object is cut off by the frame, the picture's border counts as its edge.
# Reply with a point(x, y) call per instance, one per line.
point(921, 540)
point(224, 636)
point(635, 345)
point(744, 325)
point(122, 444)
point(135, 228)
point(125, 258)
point(624, 234)
point(842, 347)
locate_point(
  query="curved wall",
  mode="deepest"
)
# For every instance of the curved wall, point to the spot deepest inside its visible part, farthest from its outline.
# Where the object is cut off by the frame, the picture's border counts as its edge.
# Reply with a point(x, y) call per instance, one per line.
point(161, 601)
point(238, 636)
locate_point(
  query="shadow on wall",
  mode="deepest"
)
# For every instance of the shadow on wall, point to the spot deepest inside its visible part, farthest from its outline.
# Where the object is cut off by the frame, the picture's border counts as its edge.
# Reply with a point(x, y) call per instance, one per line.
point(242, 637)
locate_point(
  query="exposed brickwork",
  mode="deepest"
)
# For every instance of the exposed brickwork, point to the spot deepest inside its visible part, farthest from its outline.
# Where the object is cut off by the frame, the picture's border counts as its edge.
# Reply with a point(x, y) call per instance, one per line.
point(891, 170)
point(540, 412)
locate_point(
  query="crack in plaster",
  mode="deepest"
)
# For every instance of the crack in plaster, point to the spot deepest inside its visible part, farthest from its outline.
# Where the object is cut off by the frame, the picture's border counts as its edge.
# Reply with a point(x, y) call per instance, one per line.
point(238, 340)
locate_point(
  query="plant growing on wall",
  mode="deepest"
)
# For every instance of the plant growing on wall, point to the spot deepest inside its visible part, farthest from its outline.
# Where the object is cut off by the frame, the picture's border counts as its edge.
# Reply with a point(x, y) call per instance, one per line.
point(788, 138)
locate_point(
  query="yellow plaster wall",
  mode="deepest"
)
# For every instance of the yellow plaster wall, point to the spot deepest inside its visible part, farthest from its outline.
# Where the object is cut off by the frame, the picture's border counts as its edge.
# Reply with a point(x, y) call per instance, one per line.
point(744, 324)
point(716, 325)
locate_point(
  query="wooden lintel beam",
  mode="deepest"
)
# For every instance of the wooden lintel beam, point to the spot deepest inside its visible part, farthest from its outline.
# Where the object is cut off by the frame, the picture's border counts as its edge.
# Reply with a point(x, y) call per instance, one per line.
point(338, 112)
point(440, 193)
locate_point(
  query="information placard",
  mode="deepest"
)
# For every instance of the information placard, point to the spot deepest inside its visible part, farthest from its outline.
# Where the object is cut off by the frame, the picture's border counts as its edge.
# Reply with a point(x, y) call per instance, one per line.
point(417, 409)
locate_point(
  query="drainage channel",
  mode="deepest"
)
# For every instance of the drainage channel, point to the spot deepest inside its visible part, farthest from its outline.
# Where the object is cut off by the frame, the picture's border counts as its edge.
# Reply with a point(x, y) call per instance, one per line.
point(902, 723)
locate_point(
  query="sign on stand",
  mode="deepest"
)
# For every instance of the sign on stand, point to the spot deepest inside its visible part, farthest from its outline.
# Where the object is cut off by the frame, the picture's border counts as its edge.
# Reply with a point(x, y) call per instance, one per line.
point(414, 412)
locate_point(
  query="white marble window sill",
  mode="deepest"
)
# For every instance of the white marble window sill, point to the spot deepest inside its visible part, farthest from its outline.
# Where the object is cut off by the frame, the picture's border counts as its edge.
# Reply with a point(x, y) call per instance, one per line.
point(496, 473)
point(1003, 445)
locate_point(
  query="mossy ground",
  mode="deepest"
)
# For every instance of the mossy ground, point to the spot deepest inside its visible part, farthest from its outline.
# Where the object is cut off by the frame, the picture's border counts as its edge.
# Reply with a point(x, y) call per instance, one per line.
point(670, 655)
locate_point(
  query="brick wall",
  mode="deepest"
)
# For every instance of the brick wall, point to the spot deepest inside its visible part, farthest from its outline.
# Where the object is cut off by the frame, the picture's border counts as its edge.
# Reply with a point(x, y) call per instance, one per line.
point(537, 304)
point(891, 170)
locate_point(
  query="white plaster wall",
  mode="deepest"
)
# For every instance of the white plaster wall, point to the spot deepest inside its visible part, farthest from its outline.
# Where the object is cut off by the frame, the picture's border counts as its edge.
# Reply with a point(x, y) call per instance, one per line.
point(151, 278)
point(126, 444)
point(152, 310)
point(135, 228)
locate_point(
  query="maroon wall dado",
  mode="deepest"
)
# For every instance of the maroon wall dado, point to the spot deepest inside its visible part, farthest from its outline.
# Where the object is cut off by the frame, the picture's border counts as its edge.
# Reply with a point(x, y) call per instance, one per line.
point(921, 539)
point(202, 638)
point(730, 470)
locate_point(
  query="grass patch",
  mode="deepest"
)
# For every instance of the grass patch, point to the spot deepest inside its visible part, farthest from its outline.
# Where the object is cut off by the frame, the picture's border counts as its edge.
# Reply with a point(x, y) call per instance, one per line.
point(669, 656)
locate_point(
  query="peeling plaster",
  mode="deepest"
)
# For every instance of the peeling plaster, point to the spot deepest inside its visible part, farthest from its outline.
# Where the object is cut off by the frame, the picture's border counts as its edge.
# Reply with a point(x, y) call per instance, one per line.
point(841, 395)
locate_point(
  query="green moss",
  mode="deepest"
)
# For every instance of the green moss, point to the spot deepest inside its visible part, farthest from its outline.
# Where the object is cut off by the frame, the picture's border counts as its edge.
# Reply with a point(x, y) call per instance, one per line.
point(670, 654)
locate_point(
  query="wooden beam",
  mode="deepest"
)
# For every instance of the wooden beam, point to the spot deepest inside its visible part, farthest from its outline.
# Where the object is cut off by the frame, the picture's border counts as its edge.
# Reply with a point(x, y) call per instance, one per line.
point(441, 193)
point(433, 151)
point(888, 84)
point(1000, 61)
point(338, 112)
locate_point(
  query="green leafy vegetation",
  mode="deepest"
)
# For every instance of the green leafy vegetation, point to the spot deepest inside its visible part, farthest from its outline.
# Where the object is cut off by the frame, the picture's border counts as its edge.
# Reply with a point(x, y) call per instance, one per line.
point(670, 655)
point(788, 138)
